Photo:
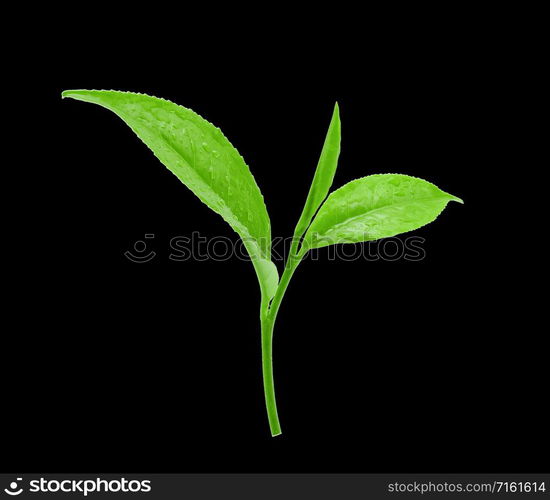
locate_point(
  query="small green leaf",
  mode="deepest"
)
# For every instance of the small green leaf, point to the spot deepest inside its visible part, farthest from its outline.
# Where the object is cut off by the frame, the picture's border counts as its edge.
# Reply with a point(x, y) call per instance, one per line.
point(324, 174)
point(374, 207)
point(203, 159)
point(268, 276)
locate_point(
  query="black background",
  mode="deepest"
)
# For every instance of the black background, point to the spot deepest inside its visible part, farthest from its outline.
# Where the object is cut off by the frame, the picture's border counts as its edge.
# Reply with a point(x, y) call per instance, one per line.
point(401, 366)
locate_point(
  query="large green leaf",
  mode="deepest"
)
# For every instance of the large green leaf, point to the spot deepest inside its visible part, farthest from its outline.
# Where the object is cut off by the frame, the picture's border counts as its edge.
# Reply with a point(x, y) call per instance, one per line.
point(204, 160)
point(373, 207)
point(324, 174)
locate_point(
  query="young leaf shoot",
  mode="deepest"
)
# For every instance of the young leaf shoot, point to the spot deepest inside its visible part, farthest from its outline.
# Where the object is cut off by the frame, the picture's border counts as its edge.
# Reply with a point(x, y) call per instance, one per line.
point(200, 156)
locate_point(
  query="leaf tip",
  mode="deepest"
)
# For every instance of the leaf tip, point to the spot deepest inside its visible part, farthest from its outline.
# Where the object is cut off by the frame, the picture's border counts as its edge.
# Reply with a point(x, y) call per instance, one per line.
point(335, 123)
point(336, 112)
point(80, 95)
point(68, 93)
point(457, 199)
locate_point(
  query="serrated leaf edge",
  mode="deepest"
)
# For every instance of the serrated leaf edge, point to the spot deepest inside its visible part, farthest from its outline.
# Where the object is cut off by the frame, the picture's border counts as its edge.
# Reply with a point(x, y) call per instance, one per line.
point(308, 238)
point(67, 94)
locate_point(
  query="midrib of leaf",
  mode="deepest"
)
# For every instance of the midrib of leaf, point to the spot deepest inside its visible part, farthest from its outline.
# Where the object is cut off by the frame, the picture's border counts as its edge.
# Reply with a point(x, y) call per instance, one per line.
point(383, 207)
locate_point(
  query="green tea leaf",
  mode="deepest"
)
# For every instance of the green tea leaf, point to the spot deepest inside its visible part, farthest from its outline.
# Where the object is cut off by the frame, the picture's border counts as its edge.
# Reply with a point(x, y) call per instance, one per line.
point(203, 159)
point(373, 207)
point(324, 174)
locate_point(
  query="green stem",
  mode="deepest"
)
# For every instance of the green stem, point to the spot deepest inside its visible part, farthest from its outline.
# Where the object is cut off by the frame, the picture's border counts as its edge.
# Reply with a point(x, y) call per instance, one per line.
point(268, 317)
point(267, 369)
